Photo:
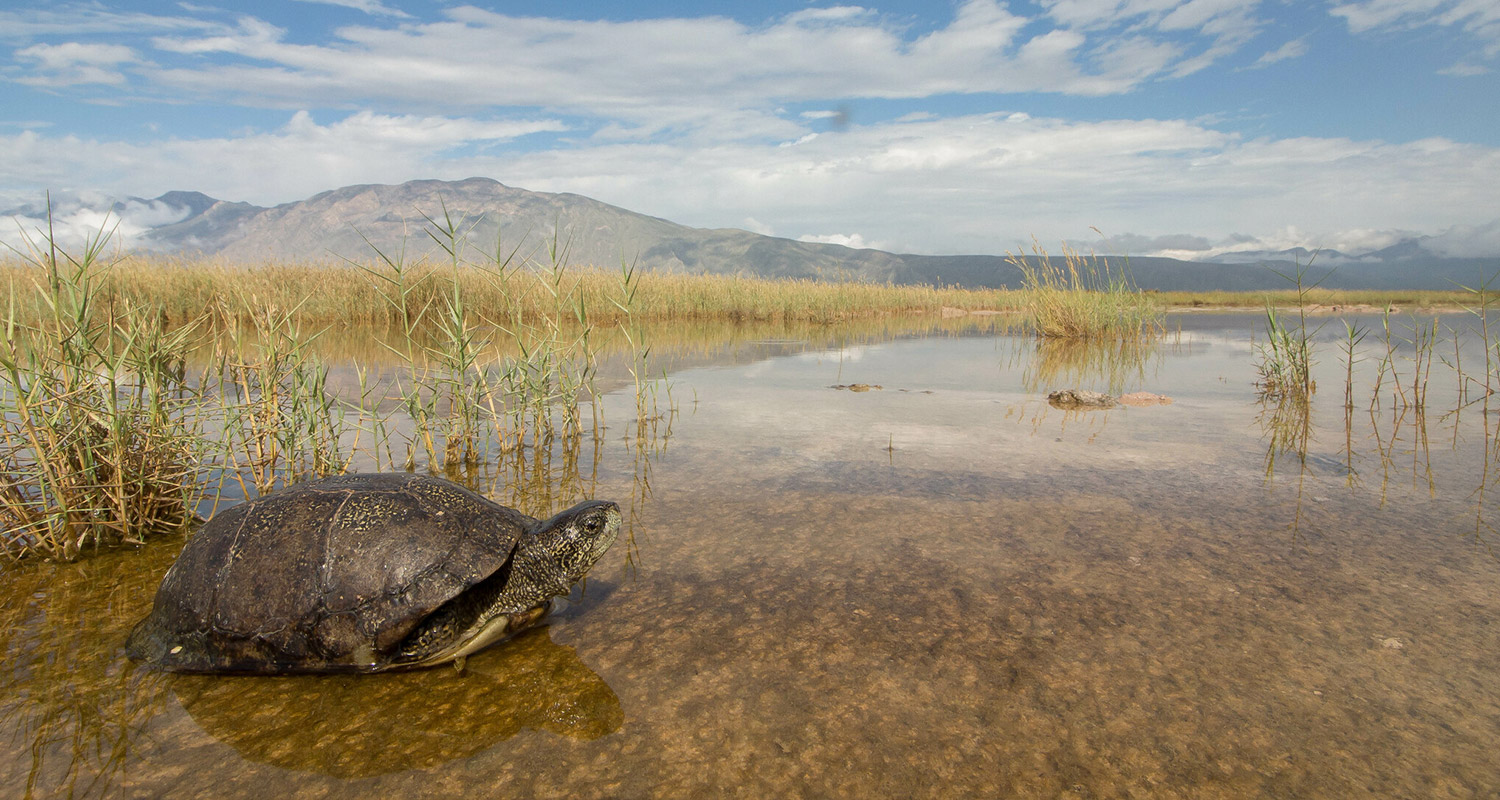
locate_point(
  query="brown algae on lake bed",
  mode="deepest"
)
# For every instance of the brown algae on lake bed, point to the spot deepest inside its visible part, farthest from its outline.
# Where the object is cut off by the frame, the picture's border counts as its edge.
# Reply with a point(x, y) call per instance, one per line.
point(1013, 600)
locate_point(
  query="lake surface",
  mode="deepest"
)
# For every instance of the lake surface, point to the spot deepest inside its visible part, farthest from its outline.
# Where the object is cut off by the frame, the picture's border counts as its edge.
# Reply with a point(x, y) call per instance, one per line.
point(938, 587)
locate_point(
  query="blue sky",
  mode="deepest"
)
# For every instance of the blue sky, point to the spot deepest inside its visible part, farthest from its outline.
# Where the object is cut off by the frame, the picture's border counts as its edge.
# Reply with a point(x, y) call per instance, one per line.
point(1183, 127)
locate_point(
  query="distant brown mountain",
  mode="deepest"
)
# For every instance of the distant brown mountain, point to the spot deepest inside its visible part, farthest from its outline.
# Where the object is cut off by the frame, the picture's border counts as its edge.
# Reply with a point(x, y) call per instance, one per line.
point(354, 221)
point(351, 222)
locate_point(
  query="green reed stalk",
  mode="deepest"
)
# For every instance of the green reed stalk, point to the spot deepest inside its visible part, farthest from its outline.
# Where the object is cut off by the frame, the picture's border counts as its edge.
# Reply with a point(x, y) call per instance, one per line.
point(1482, 294)
point(1353, 336)
point(1286, 360)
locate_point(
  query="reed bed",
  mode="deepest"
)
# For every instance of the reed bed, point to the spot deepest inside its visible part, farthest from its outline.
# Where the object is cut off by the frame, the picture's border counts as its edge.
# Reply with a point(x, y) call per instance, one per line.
point(1084, 297)
point(100, 439)
point(108, 439)
point(1320, 300)
point(342, 294)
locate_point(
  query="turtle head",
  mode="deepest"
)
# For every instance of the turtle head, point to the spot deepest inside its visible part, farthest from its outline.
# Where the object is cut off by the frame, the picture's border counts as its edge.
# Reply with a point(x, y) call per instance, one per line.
point(576, 538)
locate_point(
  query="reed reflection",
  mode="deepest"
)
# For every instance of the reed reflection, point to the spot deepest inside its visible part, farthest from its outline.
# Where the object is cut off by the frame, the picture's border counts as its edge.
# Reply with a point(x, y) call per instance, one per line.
point(74, 706)
point(1113, 363)
point(1394, 427)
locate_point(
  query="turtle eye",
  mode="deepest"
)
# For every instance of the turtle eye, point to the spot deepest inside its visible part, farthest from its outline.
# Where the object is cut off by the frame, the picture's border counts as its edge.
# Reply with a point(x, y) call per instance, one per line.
point(591, 525)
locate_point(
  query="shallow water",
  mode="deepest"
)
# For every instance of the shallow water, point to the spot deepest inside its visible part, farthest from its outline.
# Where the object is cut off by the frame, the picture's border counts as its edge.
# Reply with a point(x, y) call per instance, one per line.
point(939, 587)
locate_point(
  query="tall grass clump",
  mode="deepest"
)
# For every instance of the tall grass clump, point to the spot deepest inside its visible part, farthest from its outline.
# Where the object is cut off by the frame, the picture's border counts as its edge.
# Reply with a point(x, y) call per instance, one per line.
point(99, 436)
point(1286, 360)
point(1084, 297)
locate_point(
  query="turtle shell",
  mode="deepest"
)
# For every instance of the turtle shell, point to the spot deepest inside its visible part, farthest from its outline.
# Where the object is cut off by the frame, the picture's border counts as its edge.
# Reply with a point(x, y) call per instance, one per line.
point(327, 576)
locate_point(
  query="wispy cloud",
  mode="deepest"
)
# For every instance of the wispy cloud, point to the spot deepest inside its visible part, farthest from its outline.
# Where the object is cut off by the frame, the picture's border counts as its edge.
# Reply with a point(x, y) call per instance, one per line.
point(72, 63)
point(80, 19)
point(686, 72)
point(1479, 18)
point(372, 7)
point(1296, 48)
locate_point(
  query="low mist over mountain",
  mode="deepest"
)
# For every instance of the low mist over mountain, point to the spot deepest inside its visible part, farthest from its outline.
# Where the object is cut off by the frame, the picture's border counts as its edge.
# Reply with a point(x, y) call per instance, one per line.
point(352, 222)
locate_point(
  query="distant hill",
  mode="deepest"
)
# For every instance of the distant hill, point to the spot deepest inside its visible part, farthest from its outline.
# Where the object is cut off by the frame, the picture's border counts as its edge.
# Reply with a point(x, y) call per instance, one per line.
point(351, 222)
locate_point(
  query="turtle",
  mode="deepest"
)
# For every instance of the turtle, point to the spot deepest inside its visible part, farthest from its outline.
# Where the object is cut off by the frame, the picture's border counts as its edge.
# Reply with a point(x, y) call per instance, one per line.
point(364, 573)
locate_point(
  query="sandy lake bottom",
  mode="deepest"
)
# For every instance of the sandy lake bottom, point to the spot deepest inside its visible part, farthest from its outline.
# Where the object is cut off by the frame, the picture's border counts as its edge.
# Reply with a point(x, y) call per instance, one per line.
point(940, 587)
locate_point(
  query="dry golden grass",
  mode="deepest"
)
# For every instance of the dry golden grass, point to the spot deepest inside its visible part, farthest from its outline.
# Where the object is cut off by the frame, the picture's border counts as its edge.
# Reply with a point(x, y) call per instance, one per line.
point(1323, 299)
point(331, 294)
point(1085, 297)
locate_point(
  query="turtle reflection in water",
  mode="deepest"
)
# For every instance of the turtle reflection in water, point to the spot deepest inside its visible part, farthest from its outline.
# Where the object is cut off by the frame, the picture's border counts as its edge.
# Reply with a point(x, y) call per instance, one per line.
point(364, 573)
point(342, 725)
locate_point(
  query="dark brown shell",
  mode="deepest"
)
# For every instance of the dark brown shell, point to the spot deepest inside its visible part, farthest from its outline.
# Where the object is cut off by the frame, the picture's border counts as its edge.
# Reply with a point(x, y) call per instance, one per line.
point(327, 576)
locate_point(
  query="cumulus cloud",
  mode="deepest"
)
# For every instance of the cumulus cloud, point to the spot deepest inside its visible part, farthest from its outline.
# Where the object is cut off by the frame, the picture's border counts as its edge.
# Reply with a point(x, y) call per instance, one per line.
point(756, 226)
point(716, 122)
point(853, 240)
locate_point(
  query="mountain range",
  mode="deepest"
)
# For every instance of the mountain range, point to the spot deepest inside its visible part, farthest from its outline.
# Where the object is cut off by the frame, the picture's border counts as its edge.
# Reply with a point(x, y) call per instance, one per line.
point(355, 221)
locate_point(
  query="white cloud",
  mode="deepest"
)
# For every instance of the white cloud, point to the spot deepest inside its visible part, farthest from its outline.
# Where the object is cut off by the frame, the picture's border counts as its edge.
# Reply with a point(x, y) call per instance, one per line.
point(853, 240)
point(1226, 25)
point(76, 219)
point(1296, 48)
point(1467, 241)
point(977, 184)
point(73, 63)
point(1479, 18)
point(74, 19)
point(373, 7)
point(1465, 70)
point(668, 74)
point(689, 119)
point(296, 161)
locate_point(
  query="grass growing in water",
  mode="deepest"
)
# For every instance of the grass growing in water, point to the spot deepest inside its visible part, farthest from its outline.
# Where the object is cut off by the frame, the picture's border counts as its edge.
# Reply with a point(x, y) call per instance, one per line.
point(99, 439)
point(1286, 361)
point(106, 439)
point(1084, 297)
